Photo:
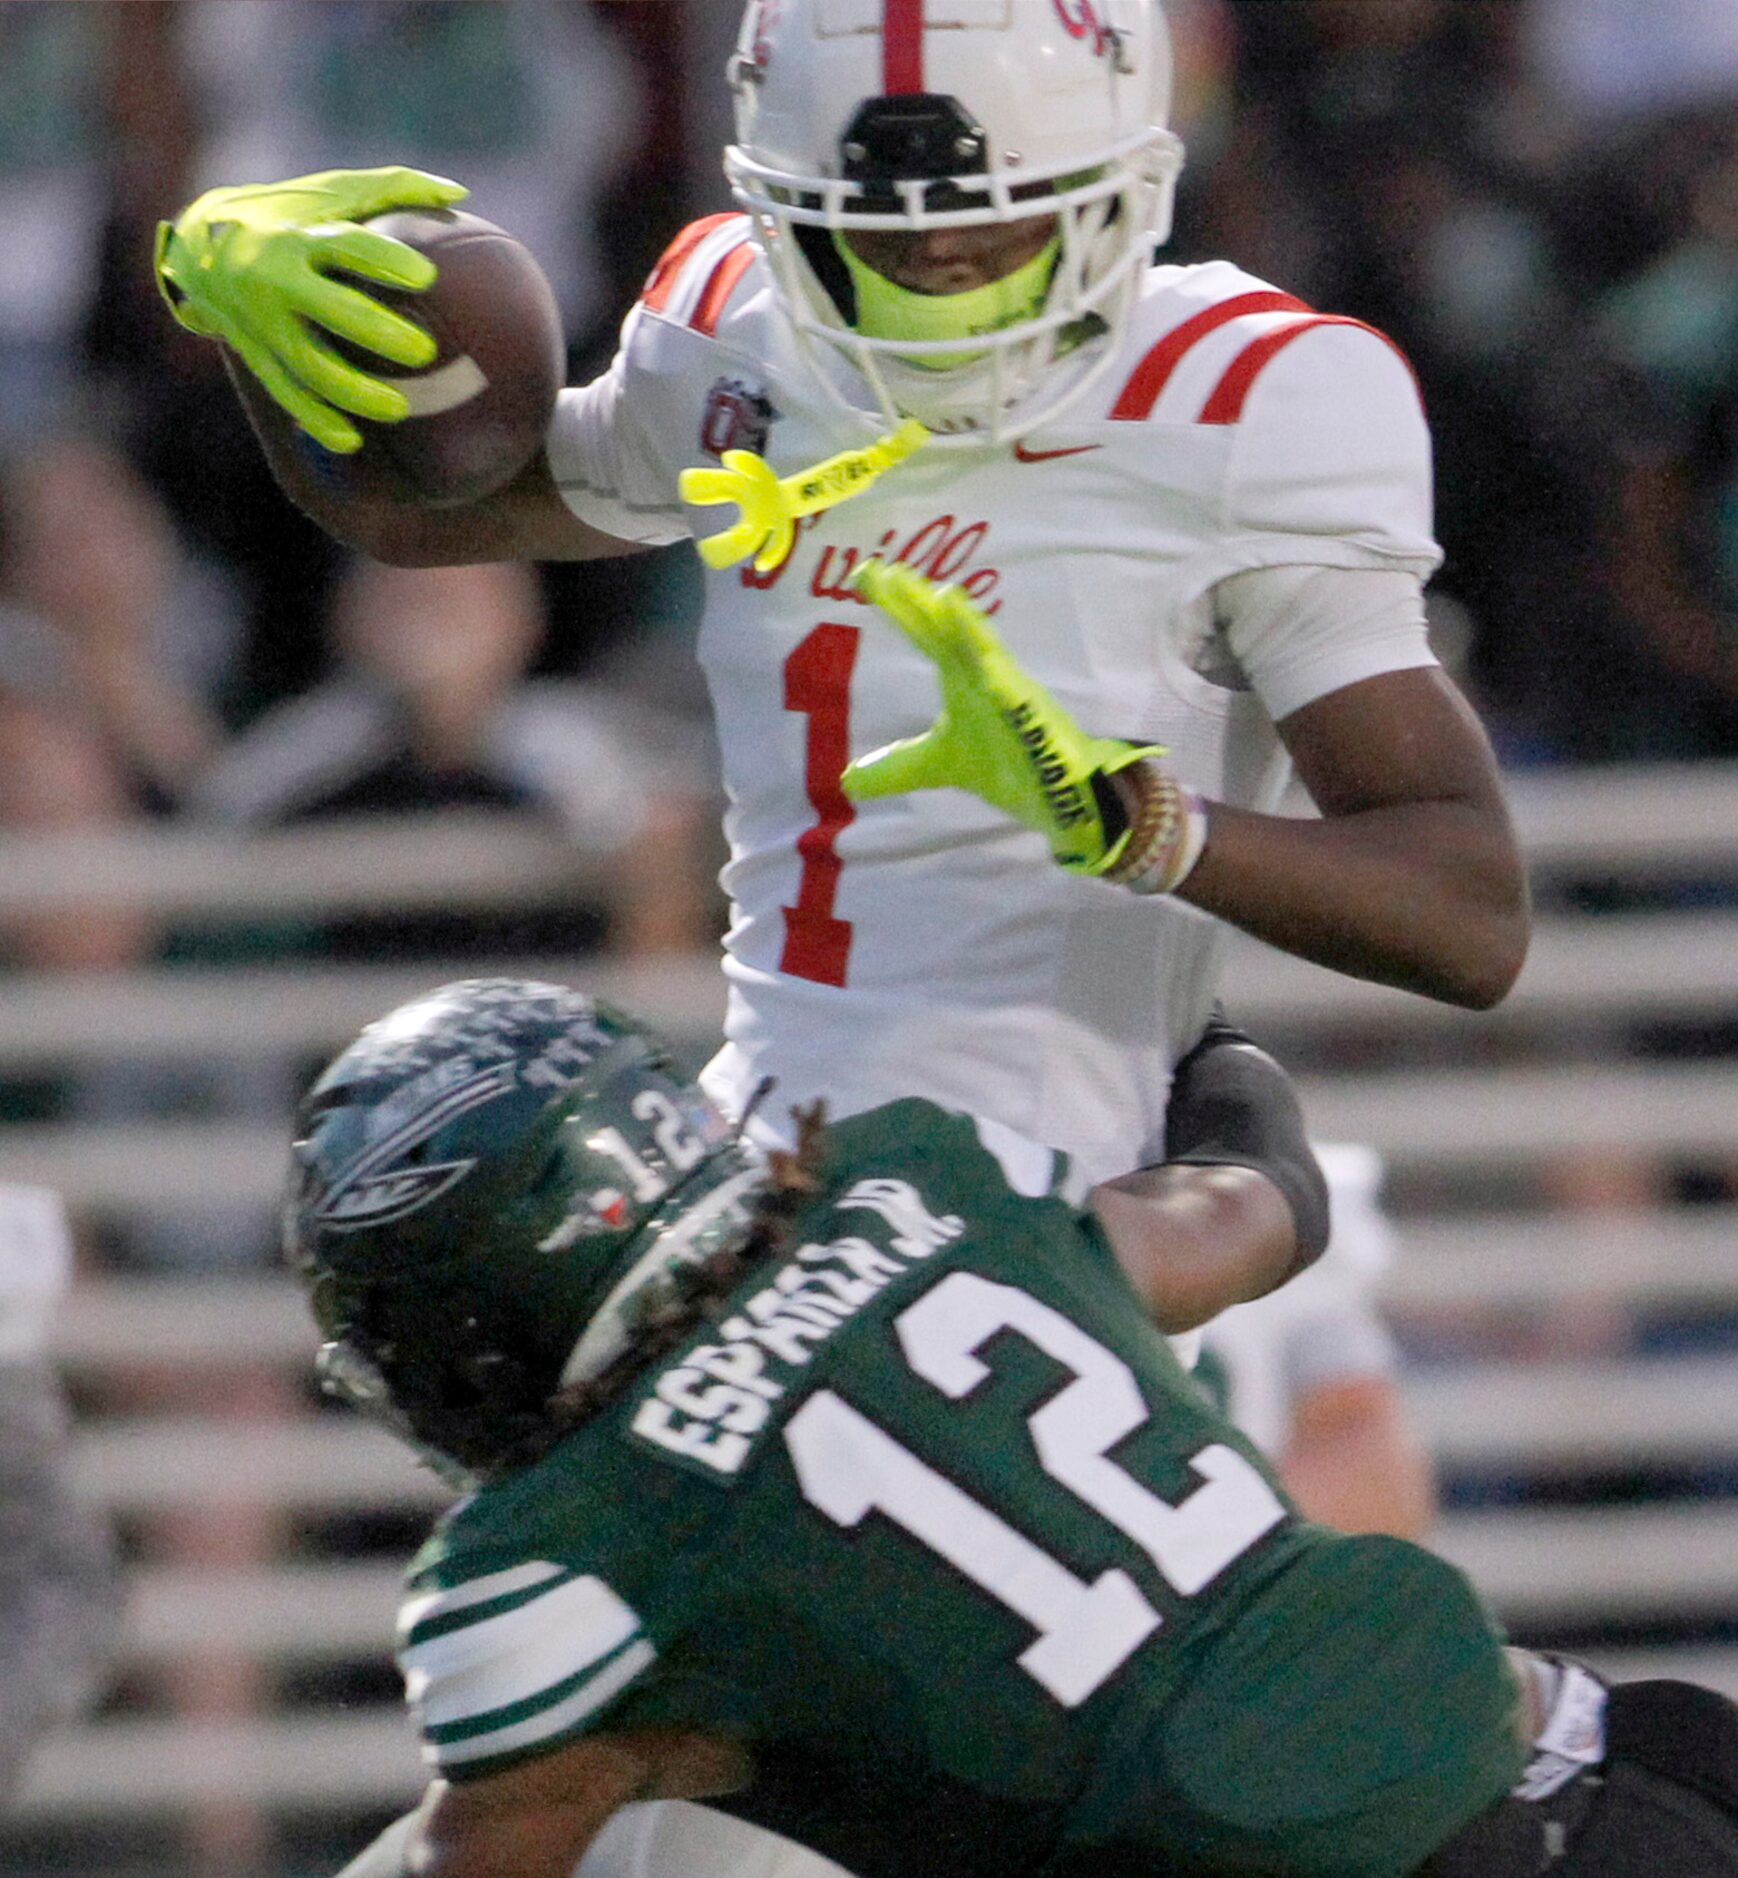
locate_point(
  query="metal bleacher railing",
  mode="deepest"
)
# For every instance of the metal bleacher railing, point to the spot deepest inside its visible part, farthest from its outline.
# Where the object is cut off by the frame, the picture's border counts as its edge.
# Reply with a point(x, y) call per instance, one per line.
point(1456, 1102)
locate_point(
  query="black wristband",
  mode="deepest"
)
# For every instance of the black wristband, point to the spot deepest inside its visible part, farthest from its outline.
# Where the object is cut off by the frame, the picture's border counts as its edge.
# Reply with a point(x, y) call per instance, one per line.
point(1232, 1105)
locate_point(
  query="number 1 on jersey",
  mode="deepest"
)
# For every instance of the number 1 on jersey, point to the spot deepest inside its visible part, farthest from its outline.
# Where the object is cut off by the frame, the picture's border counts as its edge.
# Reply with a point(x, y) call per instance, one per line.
point(818, 686)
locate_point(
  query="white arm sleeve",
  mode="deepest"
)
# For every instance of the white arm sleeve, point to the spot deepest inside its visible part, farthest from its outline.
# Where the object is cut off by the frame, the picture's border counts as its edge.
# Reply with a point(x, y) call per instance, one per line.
point(1336, 1330)
point(605, 466)
point(1300, 632)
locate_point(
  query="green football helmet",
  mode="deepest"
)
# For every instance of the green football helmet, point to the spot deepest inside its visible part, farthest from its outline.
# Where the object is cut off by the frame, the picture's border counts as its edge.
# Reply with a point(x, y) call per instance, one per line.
point(490, 1189)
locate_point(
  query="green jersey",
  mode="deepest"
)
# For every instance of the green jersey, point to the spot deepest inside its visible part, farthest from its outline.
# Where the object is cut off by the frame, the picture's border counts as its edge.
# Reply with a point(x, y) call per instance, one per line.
point(930, 1517)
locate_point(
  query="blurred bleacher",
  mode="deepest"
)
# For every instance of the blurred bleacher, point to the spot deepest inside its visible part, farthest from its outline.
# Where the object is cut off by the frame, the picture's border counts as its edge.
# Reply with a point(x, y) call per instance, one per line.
point(1592, 1491)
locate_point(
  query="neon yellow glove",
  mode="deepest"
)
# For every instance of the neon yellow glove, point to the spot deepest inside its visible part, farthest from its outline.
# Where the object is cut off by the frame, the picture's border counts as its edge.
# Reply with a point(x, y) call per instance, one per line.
point(1000, 733)
point(250, 265)
point(771, 505)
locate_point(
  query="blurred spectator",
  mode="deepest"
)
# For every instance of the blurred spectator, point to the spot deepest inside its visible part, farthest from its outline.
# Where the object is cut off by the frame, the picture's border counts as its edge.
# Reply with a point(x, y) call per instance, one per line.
point(1363, 138)
point(101, 610)
point(430, 709)
point(537, 102)
point(530, 100)
point(1671, 544)
point(1308, 1372)
point(110, 637)
point(1606, 60)
point(1529, 198)
point(1374, 158)
point(53, 76)
point(59, 1593)
point(116, 626)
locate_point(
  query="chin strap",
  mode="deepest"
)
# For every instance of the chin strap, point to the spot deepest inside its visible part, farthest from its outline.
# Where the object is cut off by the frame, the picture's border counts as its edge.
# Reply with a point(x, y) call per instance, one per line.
point(771, 506)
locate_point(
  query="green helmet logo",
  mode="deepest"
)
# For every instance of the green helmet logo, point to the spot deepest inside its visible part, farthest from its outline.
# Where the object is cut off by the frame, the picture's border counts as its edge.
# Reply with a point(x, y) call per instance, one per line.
point(379, 1186)
point(488, 1188)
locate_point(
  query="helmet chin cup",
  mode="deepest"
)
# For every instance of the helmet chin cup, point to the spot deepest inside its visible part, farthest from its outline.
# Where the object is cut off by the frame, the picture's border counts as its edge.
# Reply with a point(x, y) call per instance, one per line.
point(351, 1376)
point(1032, 107)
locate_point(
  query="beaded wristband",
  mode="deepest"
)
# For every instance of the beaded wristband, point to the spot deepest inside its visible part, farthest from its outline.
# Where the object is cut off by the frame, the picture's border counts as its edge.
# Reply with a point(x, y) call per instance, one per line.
point(1166, 834)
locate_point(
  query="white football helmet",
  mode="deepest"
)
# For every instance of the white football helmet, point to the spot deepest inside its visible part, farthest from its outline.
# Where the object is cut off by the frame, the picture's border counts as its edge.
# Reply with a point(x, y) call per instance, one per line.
point(862, 115)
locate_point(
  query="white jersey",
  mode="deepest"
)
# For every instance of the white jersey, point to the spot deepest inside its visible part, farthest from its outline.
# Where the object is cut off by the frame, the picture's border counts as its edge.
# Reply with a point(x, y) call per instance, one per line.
point(925, 945)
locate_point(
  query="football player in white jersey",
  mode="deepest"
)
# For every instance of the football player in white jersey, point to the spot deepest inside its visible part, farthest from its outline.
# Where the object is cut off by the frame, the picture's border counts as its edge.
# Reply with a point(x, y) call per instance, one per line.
point(1197, 513)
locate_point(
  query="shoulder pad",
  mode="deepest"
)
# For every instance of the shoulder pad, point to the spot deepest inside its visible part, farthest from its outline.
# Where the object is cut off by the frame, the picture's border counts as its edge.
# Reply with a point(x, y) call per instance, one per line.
point(1218, 329)
point(700, 271)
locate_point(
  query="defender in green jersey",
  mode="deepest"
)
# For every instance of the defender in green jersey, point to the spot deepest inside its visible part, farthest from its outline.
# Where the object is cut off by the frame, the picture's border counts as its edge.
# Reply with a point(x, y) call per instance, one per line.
point(855, 1492)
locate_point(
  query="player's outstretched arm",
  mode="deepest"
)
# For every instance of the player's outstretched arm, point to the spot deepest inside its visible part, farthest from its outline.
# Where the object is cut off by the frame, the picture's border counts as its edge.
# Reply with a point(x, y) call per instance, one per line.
point(253, 267)
point(1239, 1204)
point(525, 521)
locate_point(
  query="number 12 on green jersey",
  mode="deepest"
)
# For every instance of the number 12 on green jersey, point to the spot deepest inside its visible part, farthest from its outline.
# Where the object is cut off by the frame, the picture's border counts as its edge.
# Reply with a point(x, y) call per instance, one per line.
point(848, 1467)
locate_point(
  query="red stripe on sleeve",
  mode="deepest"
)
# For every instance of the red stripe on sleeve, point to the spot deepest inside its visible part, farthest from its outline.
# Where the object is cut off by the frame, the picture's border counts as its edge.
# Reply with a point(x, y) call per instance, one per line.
point(662, 284)
point(1225, 404)
point(902, 47)
point(721, 286)
point(1153, 373)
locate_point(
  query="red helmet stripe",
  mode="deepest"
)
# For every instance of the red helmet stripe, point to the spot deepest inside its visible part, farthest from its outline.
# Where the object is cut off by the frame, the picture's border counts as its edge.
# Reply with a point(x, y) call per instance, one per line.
point(902, 47)
point(1153, 373)
point(1225, 404)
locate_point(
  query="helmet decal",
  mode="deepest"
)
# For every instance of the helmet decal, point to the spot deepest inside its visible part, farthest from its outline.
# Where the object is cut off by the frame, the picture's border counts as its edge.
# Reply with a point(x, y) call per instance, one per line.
point(604, 1211)
point(372, 1189)
point(766, 14)
point(373, 1199)
point(1080, 20)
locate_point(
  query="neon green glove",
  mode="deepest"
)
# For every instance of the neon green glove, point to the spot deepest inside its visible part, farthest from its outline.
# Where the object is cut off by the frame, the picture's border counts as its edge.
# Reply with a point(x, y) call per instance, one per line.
point(250, 265)
point(1000, 733)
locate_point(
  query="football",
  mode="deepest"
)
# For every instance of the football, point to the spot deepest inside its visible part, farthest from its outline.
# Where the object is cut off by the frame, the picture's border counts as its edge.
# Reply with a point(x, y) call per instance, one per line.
point(479, 412)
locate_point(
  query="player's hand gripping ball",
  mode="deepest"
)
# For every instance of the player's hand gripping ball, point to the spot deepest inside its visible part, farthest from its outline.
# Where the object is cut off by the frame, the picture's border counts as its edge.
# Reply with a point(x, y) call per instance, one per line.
point(257, 265)
point(477, 412)
point(361, 298)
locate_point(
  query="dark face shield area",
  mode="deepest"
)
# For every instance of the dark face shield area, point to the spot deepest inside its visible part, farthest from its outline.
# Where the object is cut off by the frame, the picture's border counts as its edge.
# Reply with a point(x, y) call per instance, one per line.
point(908, 139)
point(350, 1376)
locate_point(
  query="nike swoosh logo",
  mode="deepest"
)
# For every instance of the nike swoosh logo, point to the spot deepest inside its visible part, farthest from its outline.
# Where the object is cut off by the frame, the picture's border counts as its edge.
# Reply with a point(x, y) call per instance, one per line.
point(1023, 455)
